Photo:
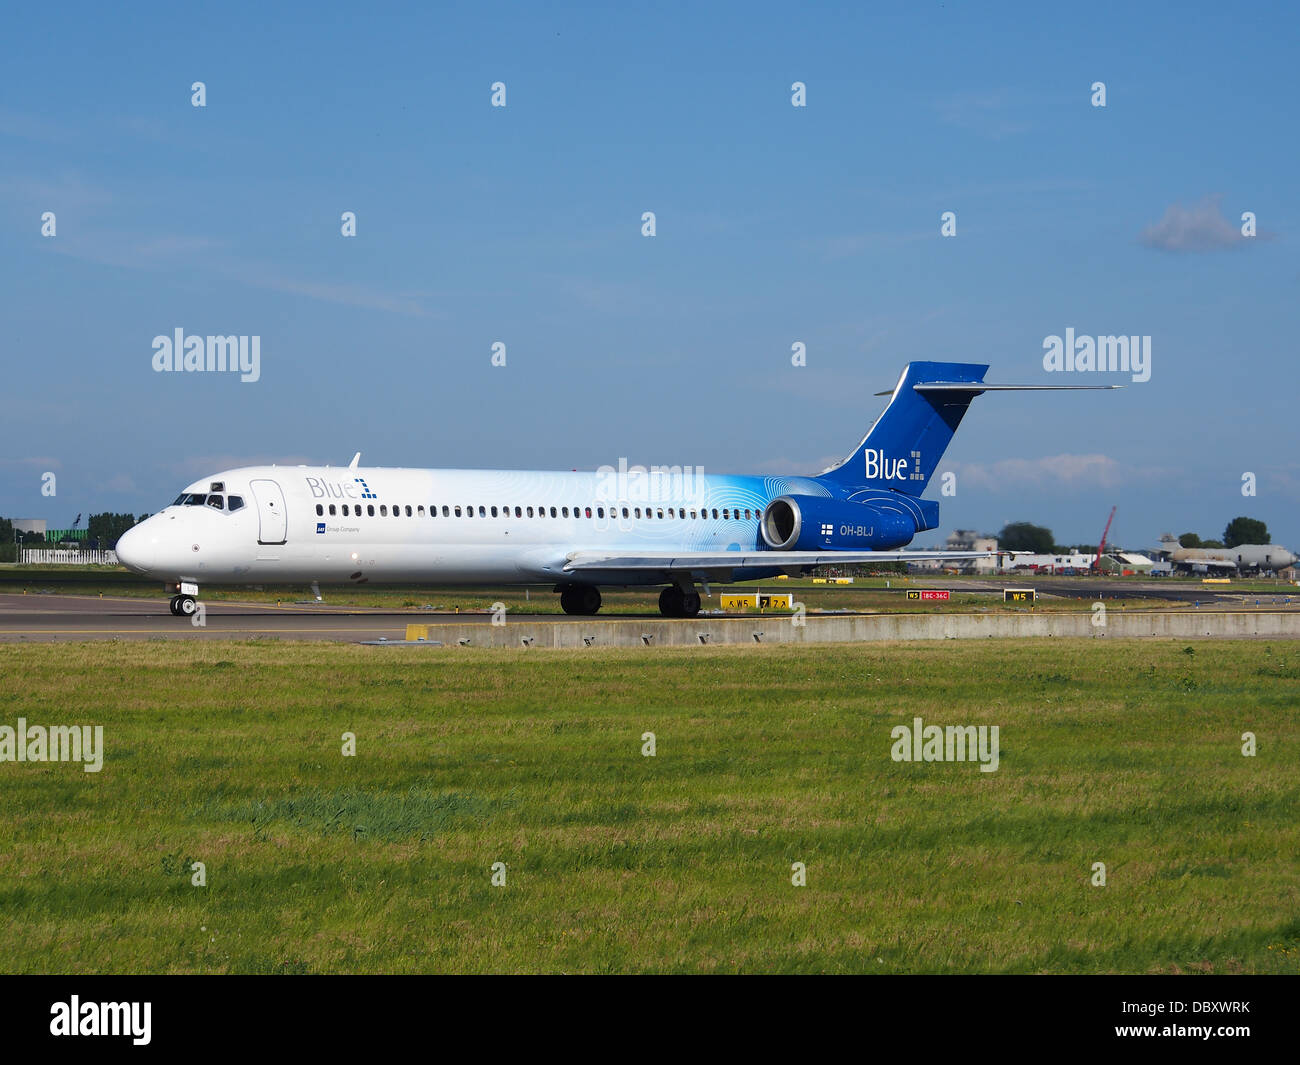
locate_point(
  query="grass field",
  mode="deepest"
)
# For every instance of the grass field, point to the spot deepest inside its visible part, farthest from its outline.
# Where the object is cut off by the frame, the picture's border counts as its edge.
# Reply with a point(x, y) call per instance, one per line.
point(230, 754)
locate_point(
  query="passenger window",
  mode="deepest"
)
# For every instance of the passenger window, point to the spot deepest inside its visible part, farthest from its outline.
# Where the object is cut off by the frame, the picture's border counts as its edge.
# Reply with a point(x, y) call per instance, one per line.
point(726, 513)
point(564, 511)
point(235, 503)
point(600, 512)
point(482, 512)
point(332, 512)
point(519, 512)
point(370, 510)
point(661, 513)
point(494, 512)
point(588, 511)
point(319, 510)
point(408, 509)
point(670, 512)
point(625, 512)
point(637, 512)
point(419, 510)
point(345, 510)
point(747, 513)
point(446, 511)
point(530, 512)
point(552, 512)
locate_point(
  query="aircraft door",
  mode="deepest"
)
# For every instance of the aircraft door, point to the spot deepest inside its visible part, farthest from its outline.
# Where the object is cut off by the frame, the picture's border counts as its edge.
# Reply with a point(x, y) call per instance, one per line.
point(273, 521)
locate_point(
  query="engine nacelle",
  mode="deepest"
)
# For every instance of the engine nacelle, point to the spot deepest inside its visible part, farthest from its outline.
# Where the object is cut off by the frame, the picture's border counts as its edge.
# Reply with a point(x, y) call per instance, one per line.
point(814, 523)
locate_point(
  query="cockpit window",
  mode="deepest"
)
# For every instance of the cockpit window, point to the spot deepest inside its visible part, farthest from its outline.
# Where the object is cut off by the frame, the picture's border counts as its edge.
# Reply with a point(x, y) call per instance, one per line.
point(195, 499)
point(235, 503)
point(216, 501)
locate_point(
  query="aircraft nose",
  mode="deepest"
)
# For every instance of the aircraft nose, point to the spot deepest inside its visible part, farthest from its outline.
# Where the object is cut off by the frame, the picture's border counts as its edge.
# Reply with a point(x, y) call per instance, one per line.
point(137, 548)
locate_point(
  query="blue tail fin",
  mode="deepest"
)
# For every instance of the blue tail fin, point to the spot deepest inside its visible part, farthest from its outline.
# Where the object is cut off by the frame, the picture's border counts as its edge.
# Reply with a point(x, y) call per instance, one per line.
point(902, 450)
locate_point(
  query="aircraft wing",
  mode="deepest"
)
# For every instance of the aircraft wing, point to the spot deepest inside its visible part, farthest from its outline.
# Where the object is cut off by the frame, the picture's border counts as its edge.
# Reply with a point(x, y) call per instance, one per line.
point(719, 565)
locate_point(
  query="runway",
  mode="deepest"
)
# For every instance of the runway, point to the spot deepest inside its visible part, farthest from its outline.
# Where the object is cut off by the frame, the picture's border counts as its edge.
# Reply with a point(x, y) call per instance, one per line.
point(51, 618)
point(46, 618)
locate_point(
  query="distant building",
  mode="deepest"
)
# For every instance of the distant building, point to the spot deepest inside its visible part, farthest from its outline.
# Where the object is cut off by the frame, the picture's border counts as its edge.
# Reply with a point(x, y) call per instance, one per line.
point(32, 525)
point(970, 540)
point(1129, 562)
point(1066, 564)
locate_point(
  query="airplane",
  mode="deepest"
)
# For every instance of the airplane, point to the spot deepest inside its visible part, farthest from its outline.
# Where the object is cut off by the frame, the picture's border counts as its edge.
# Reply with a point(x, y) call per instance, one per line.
point(1257, 557)
point(577, 531)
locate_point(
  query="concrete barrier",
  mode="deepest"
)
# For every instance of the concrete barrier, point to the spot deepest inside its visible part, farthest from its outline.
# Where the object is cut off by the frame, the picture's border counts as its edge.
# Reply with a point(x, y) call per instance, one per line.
point(710, 631)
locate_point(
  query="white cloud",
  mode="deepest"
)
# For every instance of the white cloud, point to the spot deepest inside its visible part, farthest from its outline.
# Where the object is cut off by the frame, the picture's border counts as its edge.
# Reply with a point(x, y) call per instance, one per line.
point(1200, 227)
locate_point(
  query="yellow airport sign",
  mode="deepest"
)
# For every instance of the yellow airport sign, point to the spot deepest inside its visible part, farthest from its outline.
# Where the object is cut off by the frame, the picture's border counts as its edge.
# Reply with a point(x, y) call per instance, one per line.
point(757, 601)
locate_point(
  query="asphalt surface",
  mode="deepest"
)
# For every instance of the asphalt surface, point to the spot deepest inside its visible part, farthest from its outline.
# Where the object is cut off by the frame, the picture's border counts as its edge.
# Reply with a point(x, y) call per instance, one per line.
point(37, 618)
point(45, 618)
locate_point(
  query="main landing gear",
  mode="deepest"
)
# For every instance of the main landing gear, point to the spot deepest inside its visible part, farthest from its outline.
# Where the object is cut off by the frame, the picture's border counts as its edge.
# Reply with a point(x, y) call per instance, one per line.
point(184, 606)
point(579, 599)
point(675, 602)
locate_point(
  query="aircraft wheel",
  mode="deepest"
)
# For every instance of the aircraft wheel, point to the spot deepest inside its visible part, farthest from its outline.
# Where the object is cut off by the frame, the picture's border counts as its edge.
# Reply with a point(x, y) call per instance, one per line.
point(174, 606)
point(186, 605)
point(671, 604)
point(580, 599)
point(690, 604)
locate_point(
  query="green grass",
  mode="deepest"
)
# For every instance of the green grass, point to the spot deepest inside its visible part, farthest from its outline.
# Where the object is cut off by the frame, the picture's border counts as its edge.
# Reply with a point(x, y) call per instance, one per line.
point(1126, 753)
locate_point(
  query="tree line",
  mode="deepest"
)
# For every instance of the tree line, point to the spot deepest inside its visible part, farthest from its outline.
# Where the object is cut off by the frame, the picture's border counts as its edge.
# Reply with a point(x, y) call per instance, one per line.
point(103, 531)
point(1039, 540)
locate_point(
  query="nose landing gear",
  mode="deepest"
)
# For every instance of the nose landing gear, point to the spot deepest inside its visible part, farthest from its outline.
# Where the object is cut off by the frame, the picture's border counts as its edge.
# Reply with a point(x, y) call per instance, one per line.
point(184, 606)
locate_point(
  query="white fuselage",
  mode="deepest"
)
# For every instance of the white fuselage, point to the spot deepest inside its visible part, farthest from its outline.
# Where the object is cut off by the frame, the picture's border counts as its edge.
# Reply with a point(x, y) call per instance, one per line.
point(343, 525)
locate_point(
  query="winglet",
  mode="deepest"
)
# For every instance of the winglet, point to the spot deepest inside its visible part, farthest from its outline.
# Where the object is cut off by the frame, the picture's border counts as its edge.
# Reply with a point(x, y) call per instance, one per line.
point(355, 459)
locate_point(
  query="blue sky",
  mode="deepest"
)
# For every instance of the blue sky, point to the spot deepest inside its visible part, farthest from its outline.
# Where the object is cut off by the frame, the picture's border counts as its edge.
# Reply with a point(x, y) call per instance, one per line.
point(775, 225)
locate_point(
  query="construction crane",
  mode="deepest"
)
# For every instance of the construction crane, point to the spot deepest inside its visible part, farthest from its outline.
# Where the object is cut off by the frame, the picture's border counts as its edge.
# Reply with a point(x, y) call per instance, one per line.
point(1101, 547)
